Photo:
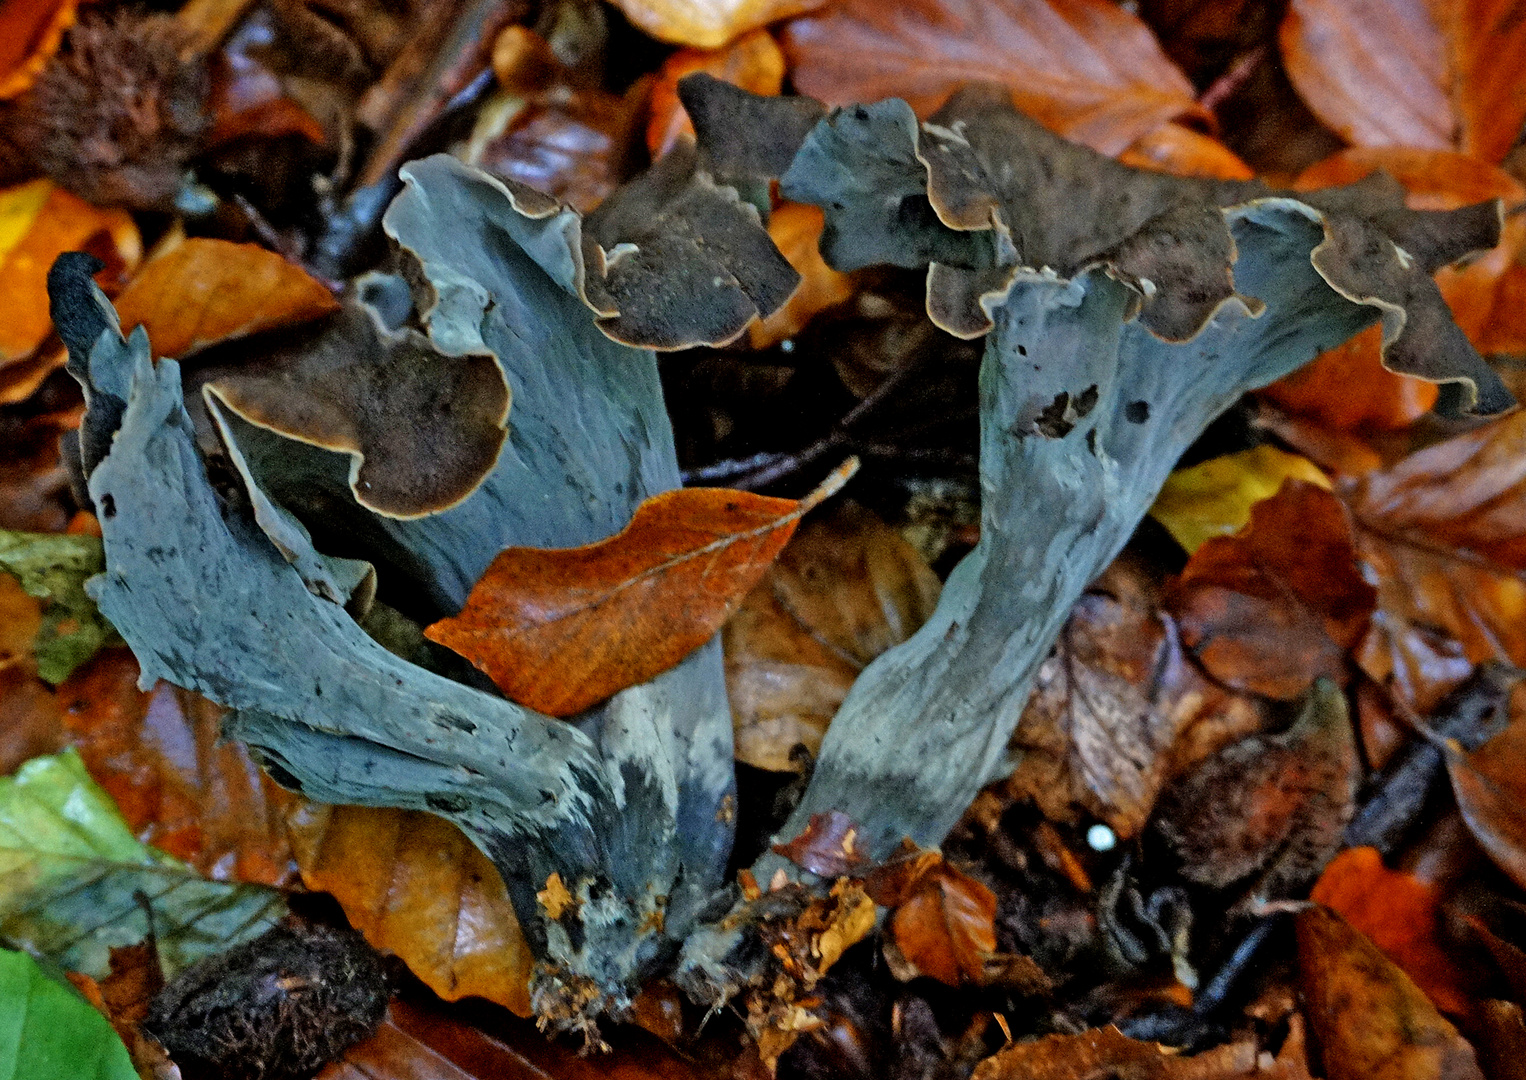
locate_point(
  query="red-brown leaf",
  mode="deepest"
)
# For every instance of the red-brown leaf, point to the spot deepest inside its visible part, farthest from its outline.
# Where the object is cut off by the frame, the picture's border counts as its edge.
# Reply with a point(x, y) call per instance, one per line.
point(559, 630)
point(1085, 68)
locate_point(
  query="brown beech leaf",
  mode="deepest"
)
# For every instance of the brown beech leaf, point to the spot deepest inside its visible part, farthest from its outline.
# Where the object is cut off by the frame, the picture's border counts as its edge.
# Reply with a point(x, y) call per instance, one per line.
point(38, 222)
point(161, 756)
point(1118, 711)
point(1266, 814)
point(1371, 1021)
point(1399, 913)
point(559, 630)
point(1084, 68)
point(414, 885)
point(1349, 389)
point(827, 847)
point(1412, 73)
point(753, 61)
point(845, 588)
point(1108, 1054)
point(1275, 606)
point(1443, 533)
point(945, 927)
point(1490, 785)
point(202, 291)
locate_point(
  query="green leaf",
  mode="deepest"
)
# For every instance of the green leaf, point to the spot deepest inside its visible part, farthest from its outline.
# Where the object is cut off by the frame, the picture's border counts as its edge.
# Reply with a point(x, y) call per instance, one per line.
point(53, 567)
point(70, 868)
point(48, 1032)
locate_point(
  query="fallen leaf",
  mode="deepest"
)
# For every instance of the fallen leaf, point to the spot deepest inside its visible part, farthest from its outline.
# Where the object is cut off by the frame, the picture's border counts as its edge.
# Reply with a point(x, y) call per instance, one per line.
point(1348, 388)
point(1084, 68)
point(1176, 149)
point(419, 1043)
point(415, 886)
point(30, 33)
point(1214, 498)
point(1370, 1020)
point(70, 869)
point(1443, 534)
point(51, 1032)
point(1107, 1054)
point(559, 630)
point(844, 589)
point(945, 928)
point(1270, 806)
point(1411, 72)
point(1490, 785)
point(796, 231)
point(1277, 605)
point(38, 222)
point(179, 784)
point(1398, 913)
point(708, 24)
point(30, 725)
point(202, 291)
point(753, 61)
point(53, 568)
point(1119, 711)
point(826, 847)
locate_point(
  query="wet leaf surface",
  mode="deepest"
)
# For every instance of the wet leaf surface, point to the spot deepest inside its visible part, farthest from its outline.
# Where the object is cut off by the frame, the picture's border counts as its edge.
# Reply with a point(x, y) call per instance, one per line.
point(561, 630)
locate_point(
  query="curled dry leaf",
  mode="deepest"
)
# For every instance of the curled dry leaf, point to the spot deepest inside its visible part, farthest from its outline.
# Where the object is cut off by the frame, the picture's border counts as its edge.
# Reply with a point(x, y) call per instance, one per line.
point(844, 589)
point(202, 291)
point(1277, 605)
point(1490, 785)
point(1371, 1021)
point(708, 24)
point(414, 885)
point(559, 630)
point(1084, 68)
point(1266, 814)
point(1118, 711)
point(945, 927)
point(1399, 913)
point(1411, 73)
point(1215, 497)
point(38, 222)
point(827, 846)
point(30, 33)
point(753, 62)
point(1107, 1053)
point(1443, 533)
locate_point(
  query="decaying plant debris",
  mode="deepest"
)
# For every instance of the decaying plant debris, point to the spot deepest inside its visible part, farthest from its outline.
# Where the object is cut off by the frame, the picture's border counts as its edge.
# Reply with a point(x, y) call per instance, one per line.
point(1086, 789)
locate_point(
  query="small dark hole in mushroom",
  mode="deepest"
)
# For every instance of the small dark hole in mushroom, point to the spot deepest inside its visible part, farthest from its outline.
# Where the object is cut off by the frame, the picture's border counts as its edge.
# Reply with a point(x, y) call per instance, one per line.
point(108, 506)
point(1136, 412)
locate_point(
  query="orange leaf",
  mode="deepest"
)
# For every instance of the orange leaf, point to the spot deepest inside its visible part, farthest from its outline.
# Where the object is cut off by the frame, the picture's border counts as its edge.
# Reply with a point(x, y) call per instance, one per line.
point(1176, 149)
point(559, 630)
point(414, 885)
point(1411, 72)
point(708, 24)
point(1276, 605)
point(753, 62)
point(38, 223)
point(1371, 1021)
point(1084, 68)
point(1348, 388)
point(180, 786)
point(947, 928)
point(204, 291)
point(30, 33)
point(1398, 912)
point(796, 231)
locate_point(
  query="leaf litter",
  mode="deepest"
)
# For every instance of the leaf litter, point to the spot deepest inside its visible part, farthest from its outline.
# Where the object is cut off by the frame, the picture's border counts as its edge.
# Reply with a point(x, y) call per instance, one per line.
point(1137, 892)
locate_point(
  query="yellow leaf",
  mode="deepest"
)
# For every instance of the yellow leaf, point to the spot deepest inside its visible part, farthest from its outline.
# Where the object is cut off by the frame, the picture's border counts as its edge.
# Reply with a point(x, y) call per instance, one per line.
point(1214, 498)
